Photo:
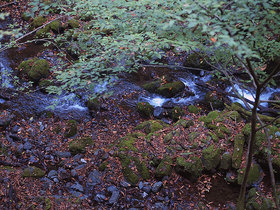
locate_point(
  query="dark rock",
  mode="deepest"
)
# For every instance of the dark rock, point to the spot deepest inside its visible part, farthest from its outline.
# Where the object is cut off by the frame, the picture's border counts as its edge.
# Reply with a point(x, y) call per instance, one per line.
point(94, 178)
point(15, 129)
point(15, 137)
point(156, 187)
point(140, 185)
point(52, 174)
point(5, 118)
point(160, 206)
point(20, 148)
point(125, 184)
point(74, 173)
point(147, 187)
point(145, 109)
point(63, 174)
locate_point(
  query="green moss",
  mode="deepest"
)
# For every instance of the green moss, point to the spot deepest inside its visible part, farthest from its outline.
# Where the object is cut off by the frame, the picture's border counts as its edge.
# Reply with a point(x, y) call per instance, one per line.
point(150, 135)
point(71, 129)
point(192, 136)
point(126, 144)
point(191, 167)
point(151, 126)
point(37, 22)
point(214, 101)
point(73, 23)
point(55, 26)
point(184, 123)
point(43, 84)
point(43, 32)
point(213, 136)
point(25, 66)
point(39, 69)
point(168, 137)
point(79, 145)
point(211, 157)
point(171, 89)
point(211, 116)
point(253, 177)
point(193, 109)
point(195, 60)
point(238, 151)
point(152, 86)
point(176, 113)
point(103, 166)
point(48, 204)
point(142, 169)
point(233, 115)
point(26, 16)
point(128, 173)
point(226, 161)
point(145, 109)
point(33, 171)
point(164, 168)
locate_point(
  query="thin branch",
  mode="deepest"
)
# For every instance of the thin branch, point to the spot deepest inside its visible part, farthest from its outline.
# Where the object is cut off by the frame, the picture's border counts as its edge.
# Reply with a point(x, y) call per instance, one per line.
point(7, 4)
point(171, 66)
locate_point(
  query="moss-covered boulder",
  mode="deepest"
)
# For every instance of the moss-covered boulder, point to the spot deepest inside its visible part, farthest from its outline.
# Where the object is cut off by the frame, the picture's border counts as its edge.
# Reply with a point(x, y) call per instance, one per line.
point(167, 89)
point(93, 105)
point(71, 129)
point(211, 157)
point(184, 123)
point(43, 32)
point(37, 22)
point(176, 113)
point(193, 109)
point(126, 143)
point(72, 23)
point(211, 116)
point(145, 109)
point(168, 137)
point(254, 177)
point(196, 60)
point(151, 126)
point(33, 171)
point(171, 89)
point(226, 161)
point(79, 145)
point(192, 136)
point(239, 141)
point(190, 168)
point(35, 69)
point(55, 26)
point(164, 168)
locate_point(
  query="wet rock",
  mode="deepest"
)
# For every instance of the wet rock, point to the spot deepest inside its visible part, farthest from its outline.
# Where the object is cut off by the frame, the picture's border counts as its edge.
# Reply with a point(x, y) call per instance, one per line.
point(176, 113)
point(147, 187)
point(74, 173)
point(27, 146)
point(15, 129)
point(20, 148)
point(156, 187)
point(145, 109)
point(114, 197)
point(71, 129)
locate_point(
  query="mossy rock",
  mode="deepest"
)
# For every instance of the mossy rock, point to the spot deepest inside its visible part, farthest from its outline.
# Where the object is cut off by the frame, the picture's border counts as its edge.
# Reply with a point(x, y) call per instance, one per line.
point(238, 151)
point(71, 129)
point(25, 66)
point(73, 23)
point(233, 115)
point(190, 168)
point(193, 109)
point(145, 109)
point(196, 60)
point(151, 126)
point(164, 168)
point(184, 123)
point(48, 204)
point(39, 70)
point(211, 116)
point(176, 113)
point(43, 32)
point(192, 136)
point(150, 136)
point(127, 143)
point(55, 26)
point(171, 89)
point(152, 86)
point(226, 161)
point(213, 136)
point(254, 177)
point(215, 101)
point(142, 169)
point(93, 104)
point(33, 171)
point(79, 145)
point(168, 137)
point(37, 22)
point(211, 157)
